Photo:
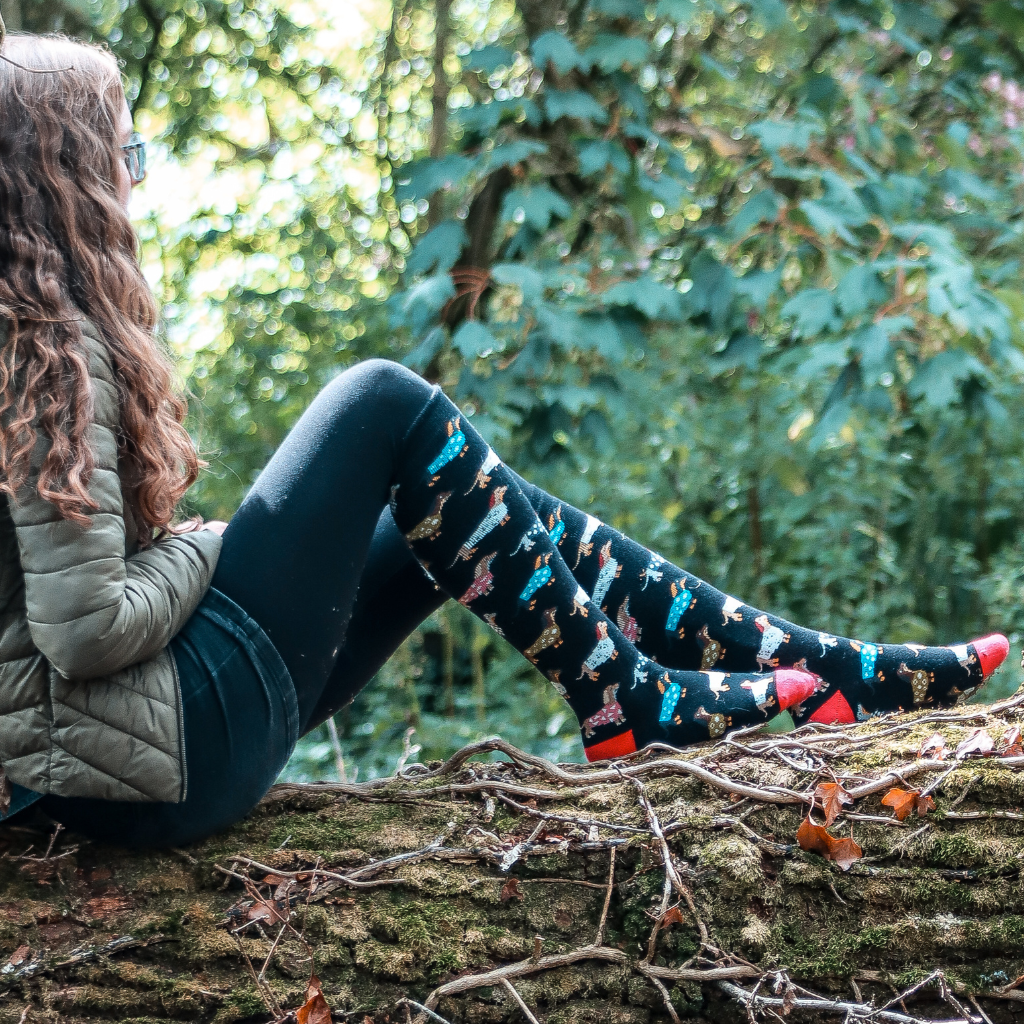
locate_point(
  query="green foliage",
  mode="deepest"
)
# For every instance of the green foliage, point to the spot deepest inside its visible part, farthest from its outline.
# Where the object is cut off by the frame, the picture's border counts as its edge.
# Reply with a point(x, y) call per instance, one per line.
point(741, 278)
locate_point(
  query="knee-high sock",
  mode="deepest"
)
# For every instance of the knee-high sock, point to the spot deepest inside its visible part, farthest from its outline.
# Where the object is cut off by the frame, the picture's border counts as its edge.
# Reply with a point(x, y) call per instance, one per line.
point(474, 531)
point(684, 622)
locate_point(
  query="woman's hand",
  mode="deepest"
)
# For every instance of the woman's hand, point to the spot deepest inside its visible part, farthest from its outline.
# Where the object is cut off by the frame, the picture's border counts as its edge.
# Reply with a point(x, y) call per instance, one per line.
point(216, 526)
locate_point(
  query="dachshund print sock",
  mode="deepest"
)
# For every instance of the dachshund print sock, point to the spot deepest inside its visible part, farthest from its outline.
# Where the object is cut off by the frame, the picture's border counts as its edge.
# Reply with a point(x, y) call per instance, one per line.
point(474, 531)
point(682, 622)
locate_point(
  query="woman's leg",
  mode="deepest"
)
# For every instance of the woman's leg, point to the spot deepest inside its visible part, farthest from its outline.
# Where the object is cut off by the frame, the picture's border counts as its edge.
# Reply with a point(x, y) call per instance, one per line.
point(296, 550)
point(395, 595)
point(472, 528)
point(683, 622)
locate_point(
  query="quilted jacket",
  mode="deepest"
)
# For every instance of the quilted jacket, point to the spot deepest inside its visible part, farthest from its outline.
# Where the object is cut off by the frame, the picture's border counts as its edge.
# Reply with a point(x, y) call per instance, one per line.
point(90, 704)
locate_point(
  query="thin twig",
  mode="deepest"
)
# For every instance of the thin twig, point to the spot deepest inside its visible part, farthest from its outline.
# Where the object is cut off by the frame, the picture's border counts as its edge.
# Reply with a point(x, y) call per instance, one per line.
point(423, 1009)
point(511, 989)
point(666, 998)
point(607, 899)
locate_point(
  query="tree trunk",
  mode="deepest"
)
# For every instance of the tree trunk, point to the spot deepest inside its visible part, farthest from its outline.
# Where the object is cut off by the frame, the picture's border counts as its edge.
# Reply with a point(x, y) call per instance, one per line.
point(496, 894)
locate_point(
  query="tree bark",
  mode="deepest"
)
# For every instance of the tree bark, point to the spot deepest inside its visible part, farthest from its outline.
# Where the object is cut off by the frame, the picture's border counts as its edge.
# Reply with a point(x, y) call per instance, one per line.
point(499, 882)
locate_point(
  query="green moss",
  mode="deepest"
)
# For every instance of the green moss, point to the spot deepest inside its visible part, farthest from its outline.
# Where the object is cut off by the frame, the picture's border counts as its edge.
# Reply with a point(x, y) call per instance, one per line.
point(736, 858)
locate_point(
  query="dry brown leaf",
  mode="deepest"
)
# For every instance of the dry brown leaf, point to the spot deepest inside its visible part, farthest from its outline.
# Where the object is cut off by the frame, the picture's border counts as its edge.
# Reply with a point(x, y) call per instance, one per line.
point(273, 879)
point(315, 1010)
point(815, 839)
point(905, 801)
point(1010, 744)
point(511, 891)
point(832, 797)
point(934, 747)
point(845, 852)
point(263, 911)
point(978, 744)
point(672, 916)
point(901, 801)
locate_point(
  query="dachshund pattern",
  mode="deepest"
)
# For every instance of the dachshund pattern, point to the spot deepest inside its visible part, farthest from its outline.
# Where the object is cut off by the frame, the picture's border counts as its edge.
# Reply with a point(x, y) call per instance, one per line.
point(610, 713)
point(455, 447)
point(772, 638)
point(627, 623)
point(541, 577)
point(657, 664)
point(483, 580)
point(609, 571)
point(496, 516)
point(602, 652)
point(682, 599)
point(551, 636)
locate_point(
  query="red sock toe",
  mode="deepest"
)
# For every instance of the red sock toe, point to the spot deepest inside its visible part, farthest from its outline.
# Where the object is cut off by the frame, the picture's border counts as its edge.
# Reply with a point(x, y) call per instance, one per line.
point(794, 686)
point(835, 711)
point(992, 651)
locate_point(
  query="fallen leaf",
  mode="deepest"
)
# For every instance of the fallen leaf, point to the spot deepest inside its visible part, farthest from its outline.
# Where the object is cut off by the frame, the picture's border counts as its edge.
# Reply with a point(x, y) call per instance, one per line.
point(19, 956)
point(672, 916)
point(905, 801)
point(315, 1010)
point(263, 911)
point(978, 743)
point(832, 797)
point(511, 891)
point(274, 879)
point(933, 747)
point(815, 839)
point(845, 852)
point(1010, 744)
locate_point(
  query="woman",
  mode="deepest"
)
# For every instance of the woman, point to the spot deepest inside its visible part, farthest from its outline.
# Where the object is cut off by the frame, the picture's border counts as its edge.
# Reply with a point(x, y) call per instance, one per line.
point(154, 678)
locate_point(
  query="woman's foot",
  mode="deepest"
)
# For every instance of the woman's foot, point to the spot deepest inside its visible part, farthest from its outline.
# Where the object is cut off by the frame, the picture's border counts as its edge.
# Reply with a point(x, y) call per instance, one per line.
point(898, 677)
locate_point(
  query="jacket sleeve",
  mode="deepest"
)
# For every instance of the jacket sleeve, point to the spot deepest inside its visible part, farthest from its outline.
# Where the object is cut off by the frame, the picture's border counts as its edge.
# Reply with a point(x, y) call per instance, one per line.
point(92, 611)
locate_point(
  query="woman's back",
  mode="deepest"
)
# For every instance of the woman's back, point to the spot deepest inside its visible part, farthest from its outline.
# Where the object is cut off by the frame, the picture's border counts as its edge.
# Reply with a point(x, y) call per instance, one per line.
point(76, 721)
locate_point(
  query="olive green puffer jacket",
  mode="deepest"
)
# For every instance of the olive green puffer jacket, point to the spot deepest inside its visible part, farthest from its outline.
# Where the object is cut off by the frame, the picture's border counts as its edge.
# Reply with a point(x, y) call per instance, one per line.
point(90, 704)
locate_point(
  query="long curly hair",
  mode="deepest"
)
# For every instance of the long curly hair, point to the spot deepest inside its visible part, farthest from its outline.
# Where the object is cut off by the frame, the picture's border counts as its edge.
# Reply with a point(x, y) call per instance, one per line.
point(67, 253)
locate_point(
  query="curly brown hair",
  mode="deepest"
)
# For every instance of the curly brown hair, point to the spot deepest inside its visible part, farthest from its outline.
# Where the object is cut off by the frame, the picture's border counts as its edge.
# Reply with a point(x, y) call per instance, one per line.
point(67, 253)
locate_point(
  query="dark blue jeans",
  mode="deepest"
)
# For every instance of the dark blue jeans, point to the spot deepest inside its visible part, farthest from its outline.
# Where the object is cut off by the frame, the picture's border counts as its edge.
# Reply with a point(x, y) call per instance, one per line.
point(241, 722)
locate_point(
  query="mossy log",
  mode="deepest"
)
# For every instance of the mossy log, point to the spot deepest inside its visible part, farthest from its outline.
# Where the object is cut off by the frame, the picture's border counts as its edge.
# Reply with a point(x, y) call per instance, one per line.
point(479, 889)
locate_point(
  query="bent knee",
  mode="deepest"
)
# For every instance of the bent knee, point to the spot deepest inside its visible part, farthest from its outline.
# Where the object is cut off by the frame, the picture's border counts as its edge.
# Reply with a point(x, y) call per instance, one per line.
point(382, 382)
point(382, 378)
point(385, 374)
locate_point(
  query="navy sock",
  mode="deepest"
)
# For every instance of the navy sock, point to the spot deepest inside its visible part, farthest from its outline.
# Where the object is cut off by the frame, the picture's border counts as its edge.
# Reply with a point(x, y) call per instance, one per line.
point(475, 532)
point(683, 622)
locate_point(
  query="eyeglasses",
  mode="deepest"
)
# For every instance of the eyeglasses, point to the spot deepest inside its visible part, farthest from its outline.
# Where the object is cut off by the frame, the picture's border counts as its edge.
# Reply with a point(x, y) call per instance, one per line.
point(135, 157)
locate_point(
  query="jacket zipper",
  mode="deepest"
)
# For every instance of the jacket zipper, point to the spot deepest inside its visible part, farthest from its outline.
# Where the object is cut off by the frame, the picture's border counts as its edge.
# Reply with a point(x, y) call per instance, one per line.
point(181, 728)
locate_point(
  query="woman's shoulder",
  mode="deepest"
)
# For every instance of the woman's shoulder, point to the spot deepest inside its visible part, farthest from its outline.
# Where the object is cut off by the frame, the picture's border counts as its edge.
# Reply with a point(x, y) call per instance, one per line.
point(100, 363)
